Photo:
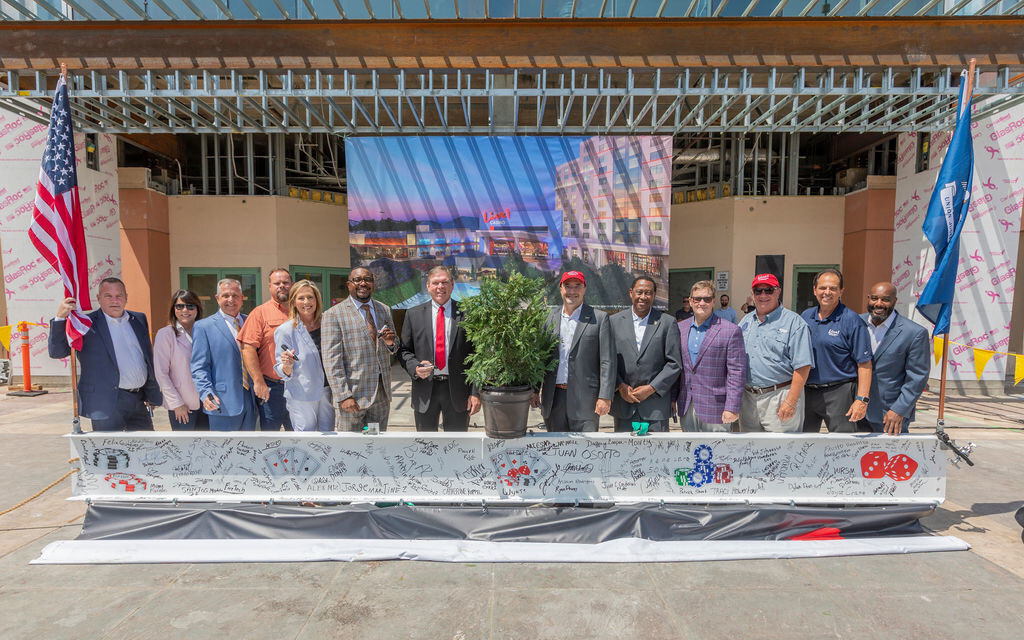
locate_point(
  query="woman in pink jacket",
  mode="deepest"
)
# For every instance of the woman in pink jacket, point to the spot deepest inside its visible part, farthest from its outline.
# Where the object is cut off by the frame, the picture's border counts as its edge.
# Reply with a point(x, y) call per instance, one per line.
point(172, 352)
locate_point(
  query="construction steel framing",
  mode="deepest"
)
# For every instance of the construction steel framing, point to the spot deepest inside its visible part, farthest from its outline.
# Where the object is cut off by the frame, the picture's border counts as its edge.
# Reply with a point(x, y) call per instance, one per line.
point(542, 101)
point(139, 10)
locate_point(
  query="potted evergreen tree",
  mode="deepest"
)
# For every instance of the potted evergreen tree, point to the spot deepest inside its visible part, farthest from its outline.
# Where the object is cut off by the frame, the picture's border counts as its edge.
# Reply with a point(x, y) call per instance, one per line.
point(512, 350)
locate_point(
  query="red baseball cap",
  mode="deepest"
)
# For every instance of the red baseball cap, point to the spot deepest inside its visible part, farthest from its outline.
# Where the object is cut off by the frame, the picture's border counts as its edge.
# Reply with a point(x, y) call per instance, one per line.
point(764, 278)
point(569, 275)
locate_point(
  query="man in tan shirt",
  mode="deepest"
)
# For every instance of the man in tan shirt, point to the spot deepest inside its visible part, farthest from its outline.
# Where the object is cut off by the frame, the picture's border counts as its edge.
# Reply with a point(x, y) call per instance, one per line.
point(256, 340)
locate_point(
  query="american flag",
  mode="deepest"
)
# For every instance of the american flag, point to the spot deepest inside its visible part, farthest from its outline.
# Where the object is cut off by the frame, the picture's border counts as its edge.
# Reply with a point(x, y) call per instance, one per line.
point(56, 229)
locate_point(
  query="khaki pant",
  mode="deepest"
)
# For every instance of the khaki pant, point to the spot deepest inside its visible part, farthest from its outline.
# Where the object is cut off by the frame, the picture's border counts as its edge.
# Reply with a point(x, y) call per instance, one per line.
point(761, 412)
point(691, 422)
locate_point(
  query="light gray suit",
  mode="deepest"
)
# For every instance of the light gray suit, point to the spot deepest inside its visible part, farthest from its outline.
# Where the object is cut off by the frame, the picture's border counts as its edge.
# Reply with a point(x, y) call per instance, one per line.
point(656, 362)
point(357, 363)
point(591, 373)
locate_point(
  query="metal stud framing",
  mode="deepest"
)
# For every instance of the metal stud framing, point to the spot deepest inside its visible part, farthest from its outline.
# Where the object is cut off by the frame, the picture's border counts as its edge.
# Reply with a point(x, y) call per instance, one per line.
point(132, 10)
point(609, 101)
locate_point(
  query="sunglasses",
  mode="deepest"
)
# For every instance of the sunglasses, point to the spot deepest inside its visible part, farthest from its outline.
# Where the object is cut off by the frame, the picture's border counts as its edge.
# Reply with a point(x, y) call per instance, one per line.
point(184, 305)
point(702, 298)
point(765, 291)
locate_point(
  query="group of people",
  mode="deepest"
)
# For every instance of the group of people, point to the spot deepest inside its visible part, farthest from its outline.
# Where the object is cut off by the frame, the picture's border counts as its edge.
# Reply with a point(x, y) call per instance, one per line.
point(291, 364)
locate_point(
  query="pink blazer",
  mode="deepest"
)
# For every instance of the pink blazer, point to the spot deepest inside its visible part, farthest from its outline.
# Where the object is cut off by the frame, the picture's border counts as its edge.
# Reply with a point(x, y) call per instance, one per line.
point(171, 360)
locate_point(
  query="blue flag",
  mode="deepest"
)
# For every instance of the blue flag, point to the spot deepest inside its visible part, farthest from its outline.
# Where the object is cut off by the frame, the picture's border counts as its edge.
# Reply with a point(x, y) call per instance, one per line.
point(944, 221)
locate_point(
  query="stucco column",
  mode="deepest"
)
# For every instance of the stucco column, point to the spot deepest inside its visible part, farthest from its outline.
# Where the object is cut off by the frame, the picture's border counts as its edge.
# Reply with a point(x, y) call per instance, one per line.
point(145, 246)
point(867, 239)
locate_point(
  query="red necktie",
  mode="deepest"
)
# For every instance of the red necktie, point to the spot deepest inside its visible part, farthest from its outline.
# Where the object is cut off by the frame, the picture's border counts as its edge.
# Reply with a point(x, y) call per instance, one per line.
point(439, 361)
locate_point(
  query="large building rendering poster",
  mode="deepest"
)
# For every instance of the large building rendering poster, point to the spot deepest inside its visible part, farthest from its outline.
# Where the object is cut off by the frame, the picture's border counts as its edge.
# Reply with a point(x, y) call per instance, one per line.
point(988, 246)
point(488, 207)
point(31, 286)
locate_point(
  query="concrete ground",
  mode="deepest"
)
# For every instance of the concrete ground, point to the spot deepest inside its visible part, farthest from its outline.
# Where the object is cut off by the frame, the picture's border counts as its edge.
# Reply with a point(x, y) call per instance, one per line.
point(977, 593)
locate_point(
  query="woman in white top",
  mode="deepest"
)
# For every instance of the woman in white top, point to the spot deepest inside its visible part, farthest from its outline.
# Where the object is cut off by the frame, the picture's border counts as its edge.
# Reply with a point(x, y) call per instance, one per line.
point(172, 352)
point(299, 362)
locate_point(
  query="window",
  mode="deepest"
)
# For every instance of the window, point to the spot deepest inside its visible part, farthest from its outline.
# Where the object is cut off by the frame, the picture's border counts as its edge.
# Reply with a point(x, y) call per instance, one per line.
point(204, 283)
point(803, 291)
point(654, 211)
point(924, 140)
point(655, 240)
point(626, 231)
point(651, 265)
point(92, 152)
point(602, 226)
point(680, 281)
point(655, 196)
point(586, 225)
point(336, 280)
point(656, 226)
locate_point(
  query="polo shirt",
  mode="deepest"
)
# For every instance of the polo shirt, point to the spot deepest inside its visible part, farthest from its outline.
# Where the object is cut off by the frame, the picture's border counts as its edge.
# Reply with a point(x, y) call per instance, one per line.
point(258, 331)
point(776, 347)
point(840, 342)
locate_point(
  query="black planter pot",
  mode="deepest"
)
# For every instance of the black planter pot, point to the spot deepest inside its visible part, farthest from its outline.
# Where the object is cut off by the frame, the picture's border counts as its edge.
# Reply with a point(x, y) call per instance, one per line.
point(506, 410)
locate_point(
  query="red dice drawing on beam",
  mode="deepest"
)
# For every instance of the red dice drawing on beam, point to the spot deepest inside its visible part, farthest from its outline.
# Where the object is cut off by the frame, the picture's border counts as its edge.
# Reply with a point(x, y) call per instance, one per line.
point(900, 467)
point(876, 464)
point(872, 464)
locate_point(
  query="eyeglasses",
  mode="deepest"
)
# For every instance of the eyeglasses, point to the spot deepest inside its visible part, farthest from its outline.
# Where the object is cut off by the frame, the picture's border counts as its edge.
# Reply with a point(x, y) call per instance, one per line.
point(701, 298)
point(360, 279)
point(184, 305)
point(765, 291)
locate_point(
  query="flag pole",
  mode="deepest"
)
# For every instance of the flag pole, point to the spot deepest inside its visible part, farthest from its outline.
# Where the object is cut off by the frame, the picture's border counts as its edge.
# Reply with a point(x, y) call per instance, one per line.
point(76, 420)
point(968, 94)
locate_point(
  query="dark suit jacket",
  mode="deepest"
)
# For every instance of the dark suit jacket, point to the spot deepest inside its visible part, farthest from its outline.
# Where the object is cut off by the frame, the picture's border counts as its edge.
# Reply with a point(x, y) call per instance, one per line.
point(418, 345)
point(591, 364)
point(900, 369)
point(714, 383)
point(97, 386)
point(655, 363)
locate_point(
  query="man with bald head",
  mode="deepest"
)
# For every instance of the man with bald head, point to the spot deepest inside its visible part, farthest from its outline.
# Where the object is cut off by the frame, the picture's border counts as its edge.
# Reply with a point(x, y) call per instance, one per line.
point(358, 338)
point(900, 354)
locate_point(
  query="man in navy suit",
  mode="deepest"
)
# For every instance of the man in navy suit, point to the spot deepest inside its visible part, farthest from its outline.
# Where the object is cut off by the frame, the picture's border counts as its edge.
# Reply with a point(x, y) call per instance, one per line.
point(224, 386)
point(117, 385)
point(900, 360)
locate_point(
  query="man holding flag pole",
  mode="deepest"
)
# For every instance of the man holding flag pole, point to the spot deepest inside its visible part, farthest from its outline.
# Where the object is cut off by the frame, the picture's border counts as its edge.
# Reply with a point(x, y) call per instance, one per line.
point(943, 223)
point(116, 355)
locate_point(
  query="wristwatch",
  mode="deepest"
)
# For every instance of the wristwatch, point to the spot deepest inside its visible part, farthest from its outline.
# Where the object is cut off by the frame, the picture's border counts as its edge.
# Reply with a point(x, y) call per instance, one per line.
point(863, 399)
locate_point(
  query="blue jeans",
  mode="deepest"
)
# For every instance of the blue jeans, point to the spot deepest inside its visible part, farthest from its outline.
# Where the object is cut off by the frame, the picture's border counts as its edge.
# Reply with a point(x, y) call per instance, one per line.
point(274, 412)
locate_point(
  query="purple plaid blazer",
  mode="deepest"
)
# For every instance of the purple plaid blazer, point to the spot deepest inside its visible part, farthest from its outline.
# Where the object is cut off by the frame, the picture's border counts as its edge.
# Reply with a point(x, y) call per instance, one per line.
point(714, 383)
